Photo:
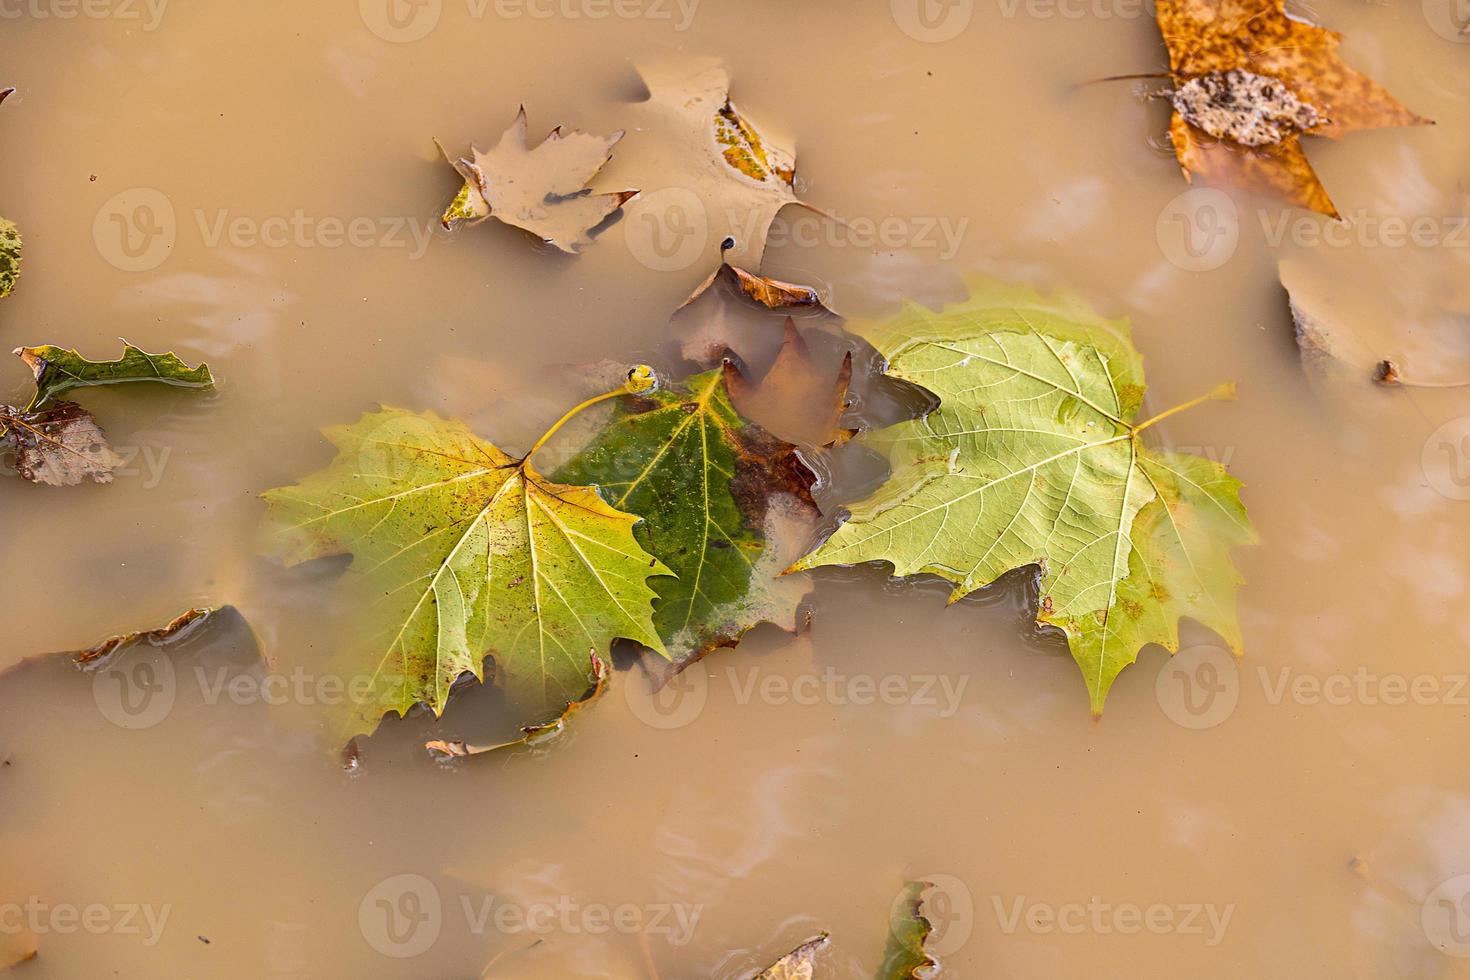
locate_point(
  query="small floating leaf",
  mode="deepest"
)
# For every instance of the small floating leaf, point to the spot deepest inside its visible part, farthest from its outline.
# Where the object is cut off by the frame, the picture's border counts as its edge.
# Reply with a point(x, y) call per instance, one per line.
point(58, 370)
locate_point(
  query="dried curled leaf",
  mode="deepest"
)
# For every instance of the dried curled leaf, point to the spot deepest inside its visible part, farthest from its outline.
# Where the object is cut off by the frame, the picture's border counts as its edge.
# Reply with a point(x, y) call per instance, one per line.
point(726, 507)
point(1034, 457)
point(542, 189)
point(1288, 75)
point(799, 964)
point(61, 445)
point(459, 552)
point(58, 370)
point(10, 245)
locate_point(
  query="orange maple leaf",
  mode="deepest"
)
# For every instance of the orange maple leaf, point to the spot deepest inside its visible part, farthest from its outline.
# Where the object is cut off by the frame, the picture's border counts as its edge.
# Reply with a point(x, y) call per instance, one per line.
point(1211, 37)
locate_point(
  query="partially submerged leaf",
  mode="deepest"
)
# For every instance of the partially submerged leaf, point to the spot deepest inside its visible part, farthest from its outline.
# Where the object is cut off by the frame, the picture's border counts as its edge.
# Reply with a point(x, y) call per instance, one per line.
point(532, 736)
point(542, 189)
point(1250, 81)
point(773, 294)
point(1328, 347)
point(175, 630)
point(717, 318)
point(725, 506)
point(61, 445)
point(1339, 328)
point(18, 944)
point(1034, 457)
point(10, 245)
point(460, 551)
point(799, 964)
point(58, 370)
point(795, 390)
point(715, 152)
point(905, 957)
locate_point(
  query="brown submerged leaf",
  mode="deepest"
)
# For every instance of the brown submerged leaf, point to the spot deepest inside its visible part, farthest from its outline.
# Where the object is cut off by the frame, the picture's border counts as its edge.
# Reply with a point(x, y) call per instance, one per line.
point(1225, 52)
point(61, 445)
point(532, 736)
point(542, 189)
point(719, 316)
point(710, 149)
point(773, 294)
point(795, 390)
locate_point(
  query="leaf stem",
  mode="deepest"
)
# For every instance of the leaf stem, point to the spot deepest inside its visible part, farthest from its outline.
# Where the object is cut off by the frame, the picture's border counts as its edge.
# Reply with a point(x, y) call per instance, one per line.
point(1124, 78)
point(1387, 374)
point(640, 379)
point(1219, 392)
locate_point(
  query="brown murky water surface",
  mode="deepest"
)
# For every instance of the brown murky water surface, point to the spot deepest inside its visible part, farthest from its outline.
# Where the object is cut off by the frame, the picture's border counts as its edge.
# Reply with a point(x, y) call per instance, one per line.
point(183, 174)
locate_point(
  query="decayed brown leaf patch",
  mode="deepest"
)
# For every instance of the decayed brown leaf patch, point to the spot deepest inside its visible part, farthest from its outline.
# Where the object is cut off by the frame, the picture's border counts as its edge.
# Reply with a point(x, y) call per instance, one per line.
point(60, 445)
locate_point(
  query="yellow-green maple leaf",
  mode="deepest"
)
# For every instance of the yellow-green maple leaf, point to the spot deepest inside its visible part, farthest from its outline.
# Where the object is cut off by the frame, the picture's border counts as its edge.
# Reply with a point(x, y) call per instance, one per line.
point(1034, 456)
point(459, 552)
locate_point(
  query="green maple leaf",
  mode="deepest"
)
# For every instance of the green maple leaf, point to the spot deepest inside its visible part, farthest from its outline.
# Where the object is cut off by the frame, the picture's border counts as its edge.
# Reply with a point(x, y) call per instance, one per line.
point(58, 370)
point(458, 552)
point(1034, 457)
point(727, 507)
